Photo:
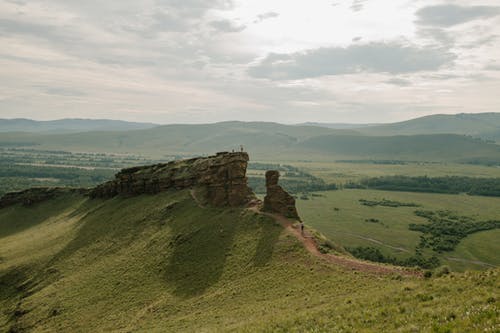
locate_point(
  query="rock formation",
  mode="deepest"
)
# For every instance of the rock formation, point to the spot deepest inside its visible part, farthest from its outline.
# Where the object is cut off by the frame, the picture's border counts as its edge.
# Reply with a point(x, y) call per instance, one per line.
point(35, 195)
point(220, 179)
point(277, 200)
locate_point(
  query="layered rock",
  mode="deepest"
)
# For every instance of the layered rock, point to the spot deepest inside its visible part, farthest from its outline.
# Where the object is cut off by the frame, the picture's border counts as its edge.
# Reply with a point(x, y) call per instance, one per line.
point(35, 195)
point(221, 179)
point(277, 200)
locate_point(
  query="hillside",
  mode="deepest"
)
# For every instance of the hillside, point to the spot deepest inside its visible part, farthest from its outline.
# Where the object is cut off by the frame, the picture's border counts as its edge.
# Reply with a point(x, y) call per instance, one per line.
point(265, 141)
point(258, 137)
point(69, 125)
point(483, 125)
point(438, 147)
point(162, 263)
point(337, 125)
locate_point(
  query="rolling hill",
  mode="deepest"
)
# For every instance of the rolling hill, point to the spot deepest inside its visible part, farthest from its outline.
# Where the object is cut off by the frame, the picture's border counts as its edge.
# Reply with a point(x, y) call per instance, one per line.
point(483, 125)
point(437, 147)
point(265, 141)
point(69, 125)
point(260, 137)
point(157, 263)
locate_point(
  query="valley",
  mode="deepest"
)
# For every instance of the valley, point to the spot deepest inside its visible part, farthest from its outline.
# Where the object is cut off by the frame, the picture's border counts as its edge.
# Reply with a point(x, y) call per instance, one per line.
point(153, 251)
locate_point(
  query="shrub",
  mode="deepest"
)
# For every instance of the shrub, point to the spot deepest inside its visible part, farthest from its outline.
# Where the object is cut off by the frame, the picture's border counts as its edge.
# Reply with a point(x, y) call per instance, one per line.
point(443, 270)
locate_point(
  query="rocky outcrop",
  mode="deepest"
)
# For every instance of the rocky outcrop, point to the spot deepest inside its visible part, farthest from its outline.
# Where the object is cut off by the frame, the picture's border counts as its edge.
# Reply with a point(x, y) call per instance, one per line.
point(35, 195)
point(220, 180)
point(277, 200)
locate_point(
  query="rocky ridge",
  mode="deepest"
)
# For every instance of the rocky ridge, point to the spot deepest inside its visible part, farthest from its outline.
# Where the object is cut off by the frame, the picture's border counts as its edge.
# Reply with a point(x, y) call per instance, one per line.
point(220, 179)
point(35, 195)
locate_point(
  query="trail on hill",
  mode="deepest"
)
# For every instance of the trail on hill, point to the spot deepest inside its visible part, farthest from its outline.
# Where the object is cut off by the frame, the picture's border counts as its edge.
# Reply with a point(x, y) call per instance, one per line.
point(310, 244)
point(376, 241)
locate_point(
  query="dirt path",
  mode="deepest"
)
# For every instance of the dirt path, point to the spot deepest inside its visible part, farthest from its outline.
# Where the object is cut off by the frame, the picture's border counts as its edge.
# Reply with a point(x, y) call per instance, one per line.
point(475, 262)
point(310, 244)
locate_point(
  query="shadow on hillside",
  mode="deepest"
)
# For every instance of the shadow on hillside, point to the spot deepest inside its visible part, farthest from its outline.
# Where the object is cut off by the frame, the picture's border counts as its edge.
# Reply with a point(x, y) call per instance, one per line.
point(269, 234)
point(18, 218)
point(199, 254)
point(105, 228)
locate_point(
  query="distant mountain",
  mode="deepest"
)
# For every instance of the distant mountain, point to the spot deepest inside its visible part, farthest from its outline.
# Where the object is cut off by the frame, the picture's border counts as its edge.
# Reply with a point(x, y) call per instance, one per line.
point(69, 125)
point(436, 147)
point(259, 137)
point(264, 141)
point(483, 125)
point(337, 125)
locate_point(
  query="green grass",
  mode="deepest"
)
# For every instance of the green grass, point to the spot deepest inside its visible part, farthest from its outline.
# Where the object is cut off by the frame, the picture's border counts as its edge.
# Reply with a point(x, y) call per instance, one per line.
point(341, 217)
point(337, 172)
point(161, 263)
point(484, 245)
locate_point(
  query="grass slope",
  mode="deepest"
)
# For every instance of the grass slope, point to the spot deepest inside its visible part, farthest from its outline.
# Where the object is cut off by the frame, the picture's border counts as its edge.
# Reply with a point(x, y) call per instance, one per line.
point(161, 263)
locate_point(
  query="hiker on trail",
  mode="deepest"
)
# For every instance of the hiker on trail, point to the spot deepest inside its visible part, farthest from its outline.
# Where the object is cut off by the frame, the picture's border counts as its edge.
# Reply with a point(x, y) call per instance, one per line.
point(302, 227)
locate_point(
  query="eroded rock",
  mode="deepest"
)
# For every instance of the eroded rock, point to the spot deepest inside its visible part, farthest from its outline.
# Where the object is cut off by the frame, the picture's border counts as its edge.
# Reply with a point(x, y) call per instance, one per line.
point(277, 200)
point(221, 179)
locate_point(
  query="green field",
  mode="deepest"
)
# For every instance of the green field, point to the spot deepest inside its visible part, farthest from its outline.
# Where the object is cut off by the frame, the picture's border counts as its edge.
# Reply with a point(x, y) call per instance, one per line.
point(341, 217)
point(157, 263)
point(341, 172)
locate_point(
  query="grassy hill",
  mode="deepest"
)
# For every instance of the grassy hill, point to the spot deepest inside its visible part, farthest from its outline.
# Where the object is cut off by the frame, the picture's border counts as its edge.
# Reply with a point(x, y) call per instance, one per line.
point(261, 137)
point(438, 147)
point(69, 125)
point(265, 141)
point(161, 263)
point(337, 125)
point(484, 125)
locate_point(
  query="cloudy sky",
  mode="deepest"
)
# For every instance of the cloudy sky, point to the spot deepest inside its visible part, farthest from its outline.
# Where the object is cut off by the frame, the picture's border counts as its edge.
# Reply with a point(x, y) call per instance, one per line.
point(198, 61)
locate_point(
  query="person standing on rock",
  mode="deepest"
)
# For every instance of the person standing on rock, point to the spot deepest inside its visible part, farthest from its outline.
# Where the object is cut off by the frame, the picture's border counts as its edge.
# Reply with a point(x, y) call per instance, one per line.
point(302, 228)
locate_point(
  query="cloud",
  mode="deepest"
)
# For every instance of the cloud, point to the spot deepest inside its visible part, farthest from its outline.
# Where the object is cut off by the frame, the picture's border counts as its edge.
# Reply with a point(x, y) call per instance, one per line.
point(226, 26)
point(437, 36)
point(449, 15)
point(124, 59)
point(9, 26)
point(492, 67)
point(60, 91)
point(399, 82)
point(266, 16)
point(391, 58)
point(357, 5)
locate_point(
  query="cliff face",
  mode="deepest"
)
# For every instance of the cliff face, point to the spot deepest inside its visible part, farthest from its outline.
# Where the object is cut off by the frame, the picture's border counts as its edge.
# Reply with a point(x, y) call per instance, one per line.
point(220, 179)
point(277, 200)
point(35, 195)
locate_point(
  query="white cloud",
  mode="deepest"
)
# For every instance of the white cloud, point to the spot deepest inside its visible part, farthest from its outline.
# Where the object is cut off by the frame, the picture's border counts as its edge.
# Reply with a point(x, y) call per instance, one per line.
point(447, 15)
point(391, 58)
point(200, 60)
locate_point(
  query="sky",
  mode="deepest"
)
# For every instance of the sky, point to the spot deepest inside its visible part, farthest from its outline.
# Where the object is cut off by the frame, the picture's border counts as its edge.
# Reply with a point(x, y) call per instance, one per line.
point(203, 61)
